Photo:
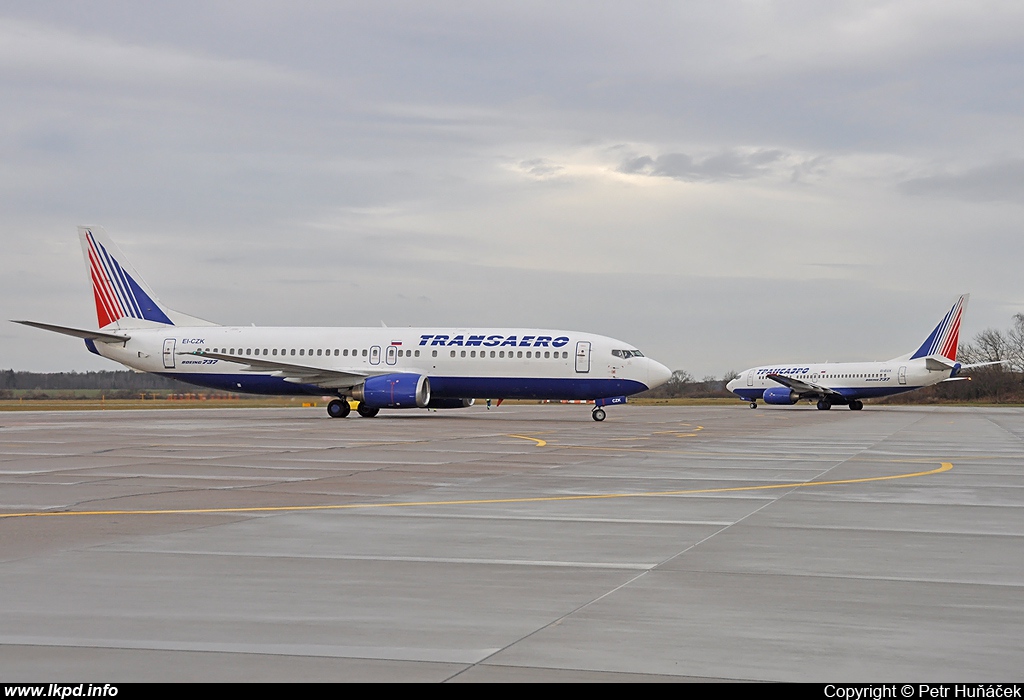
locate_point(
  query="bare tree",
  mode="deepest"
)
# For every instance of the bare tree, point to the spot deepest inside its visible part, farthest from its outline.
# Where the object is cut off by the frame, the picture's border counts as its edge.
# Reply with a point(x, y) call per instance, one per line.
point(1015, 344)
point(989, 345)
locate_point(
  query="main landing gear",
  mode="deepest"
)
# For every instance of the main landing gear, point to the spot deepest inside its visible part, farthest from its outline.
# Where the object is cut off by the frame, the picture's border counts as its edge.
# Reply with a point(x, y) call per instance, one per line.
point(824, 405)
point(856, 405)
point(753, 404)
point(340, 408)
point(365, 411)
point(598, 414)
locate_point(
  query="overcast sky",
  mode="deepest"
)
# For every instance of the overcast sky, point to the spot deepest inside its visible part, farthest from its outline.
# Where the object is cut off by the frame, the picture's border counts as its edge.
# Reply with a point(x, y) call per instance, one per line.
point(721, 184)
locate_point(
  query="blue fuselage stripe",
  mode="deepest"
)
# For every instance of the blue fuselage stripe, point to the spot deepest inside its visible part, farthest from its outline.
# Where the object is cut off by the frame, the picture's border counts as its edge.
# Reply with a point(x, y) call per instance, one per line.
point(755, 394)
point(440, 387)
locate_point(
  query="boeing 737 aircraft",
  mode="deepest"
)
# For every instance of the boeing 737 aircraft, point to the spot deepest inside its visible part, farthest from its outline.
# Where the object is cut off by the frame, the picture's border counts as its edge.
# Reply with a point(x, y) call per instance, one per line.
point(377, 367)
point(850, 382)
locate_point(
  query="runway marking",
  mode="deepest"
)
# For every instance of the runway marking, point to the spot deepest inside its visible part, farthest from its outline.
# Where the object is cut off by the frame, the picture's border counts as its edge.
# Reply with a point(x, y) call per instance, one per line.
point(540, 443)
point(945, 467)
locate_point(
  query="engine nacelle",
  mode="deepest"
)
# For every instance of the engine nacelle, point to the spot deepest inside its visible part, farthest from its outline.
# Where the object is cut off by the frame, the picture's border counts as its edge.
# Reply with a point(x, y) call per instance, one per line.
point(781, 396)
point(450, 403)
point(401, 390)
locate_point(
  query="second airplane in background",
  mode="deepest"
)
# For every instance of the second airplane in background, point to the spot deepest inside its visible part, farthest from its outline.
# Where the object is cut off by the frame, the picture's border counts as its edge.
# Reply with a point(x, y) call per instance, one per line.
point(849, 383)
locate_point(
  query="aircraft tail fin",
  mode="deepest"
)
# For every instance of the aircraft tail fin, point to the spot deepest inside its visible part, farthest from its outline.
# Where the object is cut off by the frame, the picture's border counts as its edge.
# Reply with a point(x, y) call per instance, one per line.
point(123, 299)
point(945, 337)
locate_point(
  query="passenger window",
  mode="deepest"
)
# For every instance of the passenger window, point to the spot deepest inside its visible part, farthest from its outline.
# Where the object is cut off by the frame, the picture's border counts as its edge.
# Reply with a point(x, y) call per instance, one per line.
point(453, 353)
point(519, 354)
point(345, 352)
point(365, 352)
point(463, 353)
point(417, 353)
point(302, 351)
point(433, 353)
point(501, 354)
point(492, 353)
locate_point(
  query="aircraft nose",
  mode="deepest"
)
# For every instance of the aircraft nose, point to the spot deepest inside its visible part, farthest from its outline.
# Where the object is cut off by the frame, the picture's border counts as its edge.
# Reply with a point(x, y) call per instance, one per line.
point(657, 374)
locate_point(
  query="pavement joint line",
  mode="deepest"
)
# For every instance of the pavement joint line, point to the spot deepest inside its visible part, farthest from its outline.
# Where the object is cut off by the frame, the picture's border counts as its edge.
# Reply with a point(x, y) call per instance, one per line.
point(944, 467)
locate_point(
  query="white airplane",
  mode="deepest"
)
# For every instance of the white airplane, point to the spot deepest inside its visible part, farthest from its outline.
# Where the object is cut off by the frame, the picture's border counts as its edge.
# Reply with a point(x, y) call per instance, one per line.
point(377, 367)
point(848, 383)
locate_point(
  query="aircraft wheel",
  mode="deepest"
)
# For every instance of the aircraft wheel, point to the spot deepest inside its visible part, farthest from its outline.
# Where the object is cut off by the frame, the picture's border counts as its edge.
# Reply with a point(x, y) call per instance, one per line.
point(338, 409)
point(365, 411)
point(753, 404)
point(856, 405)
point(598, 414)
point(824, 405)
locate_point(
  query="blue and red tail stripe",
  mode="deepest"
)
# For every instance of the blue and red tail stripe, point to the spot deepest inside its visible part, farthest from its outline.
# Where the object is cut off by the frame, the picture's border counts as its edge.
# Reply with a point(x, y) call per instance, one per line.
point(117, 294)
point(945, 338)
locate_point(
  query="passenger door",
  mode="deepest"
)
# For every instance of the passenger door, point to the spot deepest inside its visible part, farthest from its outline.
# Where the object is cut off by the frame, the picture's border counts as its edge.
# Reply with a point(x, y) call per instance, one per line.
point(169, 353)
point(583, 356)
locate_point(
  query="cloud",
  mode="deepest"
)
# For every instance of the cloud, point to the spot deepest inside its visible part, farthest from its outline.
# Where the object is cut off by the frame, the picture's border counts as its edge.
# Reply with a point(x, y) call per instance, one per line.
point(727, 165)
point(1000, 181)
point(32, 52)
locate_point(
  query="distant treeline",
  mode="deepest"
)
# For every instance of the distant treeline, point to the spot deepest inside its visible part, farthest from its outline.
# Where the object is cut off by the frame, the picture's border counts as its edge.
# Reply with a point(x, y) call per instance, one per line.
point(117, 384)
point(683, 385)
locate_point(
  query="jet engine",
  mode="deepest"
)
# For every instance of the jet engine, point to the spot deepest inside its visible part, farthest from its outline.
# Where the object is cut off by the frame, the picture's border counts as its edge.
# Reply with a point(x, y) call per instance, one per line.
point(781, 396)
point(400, 390)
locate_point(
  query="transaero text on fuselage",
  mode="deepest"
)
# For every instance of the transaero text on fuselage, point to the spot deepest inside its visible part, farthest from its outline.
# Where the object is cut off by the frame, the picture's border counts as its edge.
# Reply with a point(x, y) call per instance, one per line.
point(490, 341)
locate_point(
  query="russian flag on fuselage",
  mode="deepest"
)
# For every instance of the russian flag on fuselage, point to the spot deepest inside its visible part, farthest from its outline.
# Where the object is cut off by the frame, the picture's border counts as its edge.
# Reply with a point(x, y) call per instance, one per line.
point(945, 338)
point(117, 294)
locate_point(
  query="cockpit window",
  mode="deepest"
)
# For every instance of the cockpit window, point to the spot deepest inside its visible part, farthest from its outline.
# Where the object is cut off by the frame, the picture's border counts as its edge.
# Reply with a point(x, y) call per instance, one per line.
point(625, 354)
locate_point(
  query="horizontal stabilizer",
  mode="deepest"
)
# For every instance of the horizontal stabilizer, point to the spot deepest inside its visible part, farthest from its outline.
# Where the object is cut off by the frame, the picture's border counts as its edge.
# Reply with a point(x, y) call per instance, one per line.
point(984, 364)
point(79, 332)
point(938, 364)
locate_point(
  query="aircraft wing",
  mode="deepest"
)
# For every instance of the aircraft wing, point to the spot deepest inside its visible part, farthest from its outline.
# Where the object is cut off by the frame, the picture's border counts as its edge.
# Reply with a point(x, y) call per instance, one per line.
point(290, 372)
point(79, 332)
point(801, 387)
